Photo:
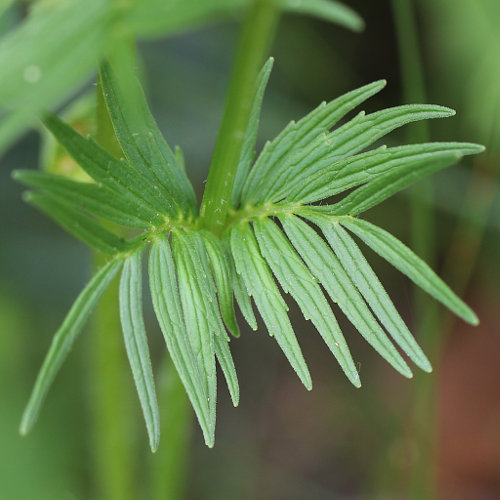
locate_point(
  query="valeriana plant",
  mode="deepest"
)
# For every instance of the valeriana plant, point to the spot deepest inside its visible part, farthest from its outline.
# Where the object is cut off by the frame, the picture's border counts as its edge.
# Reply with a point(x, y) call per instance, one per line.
point(275, 230)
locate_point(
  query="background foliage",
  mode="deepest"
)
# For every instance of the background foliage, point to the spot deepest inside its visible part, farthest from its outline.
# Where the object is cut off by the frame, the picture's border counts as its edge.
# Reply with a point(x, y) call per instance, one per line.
point(266, 445)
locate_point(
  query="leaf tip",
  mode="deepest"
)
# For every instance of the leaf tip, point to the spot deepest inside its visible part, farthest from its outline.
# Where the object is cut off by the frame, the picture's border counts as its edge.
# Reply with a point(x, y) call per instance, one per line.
point(472, 318)
point(425, 365)
point(235, 332)
point(360, 26)
point(154, 440)
point(467, 314)
point(17, 175)
point(26, 425)
point(353, 20)
point(446, 112)
point(477, 148)
point(434, 110)
point(28, 197)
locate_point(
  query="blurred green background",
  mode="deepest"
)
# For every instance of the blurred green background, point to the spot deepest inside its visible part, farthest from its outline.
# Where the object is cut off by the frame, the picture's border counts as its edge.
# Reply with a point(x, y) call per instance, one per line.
point(283, 443)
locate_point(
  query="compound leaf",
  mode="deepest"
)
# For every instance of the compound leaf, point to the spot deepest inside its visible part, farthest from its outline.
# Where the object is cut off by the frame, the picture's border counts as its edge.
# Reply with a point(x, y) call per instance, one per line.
point(193, 279)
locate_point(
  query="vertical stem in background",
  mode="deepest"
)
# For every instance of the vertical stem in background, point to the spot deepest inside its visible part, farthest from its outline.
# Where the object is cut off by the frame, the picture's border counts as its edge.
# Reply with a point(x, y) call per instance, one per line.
point(468, 236)
point(169, 466)
point(253, 45)
point(112, 445)
point(424, 412)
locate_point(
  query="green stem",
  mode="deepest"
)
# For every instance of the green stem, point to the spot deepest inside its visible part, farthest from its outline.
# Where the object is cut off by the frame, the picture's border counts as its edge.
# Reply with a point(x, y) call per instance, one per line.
point(253, 45)
point(169, 465)
point(422, 481)
point(462, 255)
point(112, 449)
point(414, 92)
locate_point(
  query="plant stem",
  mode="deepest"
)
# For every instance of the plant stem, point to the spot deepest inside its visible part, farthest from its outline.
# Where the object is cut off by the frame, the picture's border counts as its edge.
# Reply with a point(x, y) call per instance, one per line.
point(468, 236)
point(112, 448)
point(422, 226)
point(113, 451)
point(422, 481)
point(253, 44)
point(169, 465)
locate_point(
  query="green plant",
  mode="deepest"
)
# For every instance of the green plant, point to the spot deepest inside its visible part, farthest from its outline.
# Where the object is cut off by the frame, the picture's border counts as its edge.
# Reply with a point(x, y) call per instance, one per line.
point(261, 227)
